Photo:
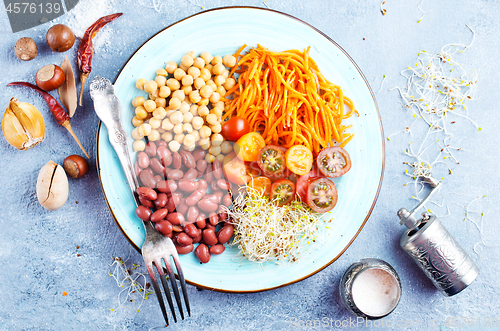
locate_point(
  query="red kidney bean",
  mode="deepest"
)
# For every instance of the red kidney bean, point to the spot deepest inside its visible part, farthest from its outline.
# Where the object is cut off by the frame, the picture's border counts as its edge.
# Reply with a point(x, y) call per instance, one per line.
point(219, 195)
point(222, 215)
point(137, 169)
point(163, 152)
point(181, 250)
point(147, 178)
point(173, 202)
point(201, 221)
point(177, 229)
point(217, 249)
point(188, 159)
point(213, 218)
point(201, 174)
point(191, 230)
point(191, 174)
point(147, 192)
point(150, 149)
point(214, 186)
point(158, 178)
point(176, 160)
point(209, 237)
point(182, 208)
point(209, 175)
point(210, 226)
point(227, 200)
point(175, 218)
point(164, 227)
point(157, 166)
point(161, 143)
point(203, 184)
point(202, 253)
point(184, 239)
point(175, 174)
point(159, 215)
point(192, 214)
point(167, 170)
point(144, 213)
point(201, 165)
point(217, 167)
point(198, 238)
point(223, 184)
point(225, 234)
point(195, 197)
point(167, 160)
point(188, 185)
point(161, 200)
point(143, 160)
point(166, 186)
point(199, 154)
point(145, 202)
point(211, 197)
point(207, 205)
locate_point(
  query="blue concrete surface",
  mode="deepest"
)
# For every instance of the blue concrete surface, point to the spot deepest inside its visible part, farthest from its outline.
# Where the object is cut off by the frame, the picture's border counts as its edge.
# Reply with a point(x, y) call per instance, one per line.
point(38, 249)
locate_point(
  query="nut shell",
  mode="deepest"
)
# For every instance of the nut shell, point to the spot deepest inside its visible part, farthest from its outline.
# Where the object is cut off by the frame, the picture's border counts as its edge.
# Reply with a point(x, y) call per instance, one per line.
point(25, 49)
point(60, 38)
point(52, 186)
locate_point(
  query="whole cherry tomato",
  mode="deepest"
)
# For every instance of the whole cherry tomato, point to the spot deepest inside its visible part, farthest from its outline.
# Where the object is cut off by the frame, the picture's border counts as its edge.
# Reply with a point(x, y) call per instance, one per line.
point(234, 128)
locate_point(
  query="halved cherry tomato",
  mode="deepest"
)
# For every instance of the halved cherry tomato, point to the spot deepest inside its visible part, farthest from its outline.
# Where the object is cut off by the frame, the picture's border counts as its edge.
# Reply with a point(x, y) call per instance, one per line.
point(299, 159)
point(253, 169)
point(248, 146)
point(234, 169)
point(334, 161)
point(271, 160)
point(234, 128)
point(322, 195)
point(282, 192)
point(261, 184)
point(303, 183)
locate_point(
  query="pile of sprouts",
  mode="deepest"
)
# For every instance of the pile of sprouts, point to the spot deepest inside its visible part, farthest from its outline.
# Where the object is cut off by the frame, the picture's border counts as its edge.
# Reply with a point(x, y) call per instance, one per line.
point(266, 232)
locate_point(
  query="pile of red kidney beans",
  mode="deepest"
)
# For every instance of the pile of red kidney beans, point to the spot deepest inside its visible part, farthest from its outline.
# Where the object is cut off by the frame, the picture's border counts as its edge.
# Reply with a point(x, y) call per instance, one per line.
point(183, 195)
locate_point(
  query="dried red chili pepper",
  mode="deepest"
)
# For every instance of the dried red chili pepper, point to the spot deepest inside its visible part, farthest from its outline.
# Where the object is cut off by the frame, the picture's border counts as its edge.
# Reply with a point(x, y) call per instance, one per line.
point(85, 51)
point(56, 109)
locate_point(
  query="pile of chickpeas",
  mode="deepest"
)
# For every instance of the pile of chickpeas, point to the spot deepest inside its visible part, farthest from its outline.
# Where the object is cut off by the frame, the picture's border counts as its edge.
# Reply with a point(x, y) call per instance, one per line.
point(185, 105)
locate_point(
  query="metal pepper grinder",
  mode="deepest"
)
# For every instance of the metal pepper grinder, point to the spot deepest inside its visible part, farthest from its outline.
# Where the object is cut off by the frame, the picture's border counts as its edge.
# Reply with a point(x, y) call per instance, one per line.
point(435, 251)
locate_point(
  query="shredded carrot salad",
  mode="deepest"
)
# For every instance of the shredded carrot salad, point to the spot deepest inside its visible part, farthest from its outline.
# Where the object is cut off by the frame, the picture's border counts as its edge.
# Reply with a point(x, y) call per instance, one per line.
point(284, 96)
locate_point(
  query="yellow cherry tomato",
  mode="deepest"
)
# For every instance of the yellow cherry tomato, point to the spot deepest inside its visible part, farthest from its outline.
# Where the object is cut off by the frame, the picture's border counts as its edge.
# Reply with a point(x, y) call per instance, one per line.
point(299, 159)
point(248, 146)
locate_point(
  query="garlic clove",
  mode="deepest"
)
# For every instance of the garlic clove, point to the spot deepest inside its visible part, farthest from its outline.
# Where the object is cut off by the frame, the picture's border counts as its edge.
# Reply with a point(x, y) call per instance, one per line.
point(52, 186)
point(23, 125)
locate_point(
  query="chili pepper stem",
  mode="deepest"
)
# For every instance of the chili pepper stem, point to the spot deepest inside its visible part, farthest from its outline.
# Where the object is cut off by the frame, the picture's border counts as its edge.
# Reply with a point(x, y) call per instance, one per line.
point(83, 78)
point(67, 125)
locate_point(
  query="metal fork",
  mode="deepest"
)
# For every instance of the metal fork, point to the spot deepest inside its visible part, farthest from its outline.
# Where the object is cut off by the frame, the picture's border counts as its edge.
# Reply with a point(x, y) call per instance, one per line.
point(156, 247)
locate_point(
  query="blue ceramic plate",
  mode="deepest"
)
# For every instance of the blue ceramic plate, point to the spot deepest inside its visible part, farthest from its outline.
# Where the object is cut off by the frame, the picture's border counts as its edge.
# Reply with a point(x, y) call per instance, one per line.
point(223, 31)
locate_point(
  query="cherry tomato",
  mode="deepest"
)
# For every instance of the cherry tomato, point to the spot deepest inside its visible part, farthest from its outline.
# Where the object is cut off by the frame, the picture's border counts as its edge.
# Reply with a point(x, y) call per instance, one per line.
point(234, 169)
point(303, 183)
point(253, 169)
point(249, 145)
point(234, 128)
point(261, 184)
point(299, 159)
point(282, 192)
point(334, 161)
point(322, 195)
point(271, 160)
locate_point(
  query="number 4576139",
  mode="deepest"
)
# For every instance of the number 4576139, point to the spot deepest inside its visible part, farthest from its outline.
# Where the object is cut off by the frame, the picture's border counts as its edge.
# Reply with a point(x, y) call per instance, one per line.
point(27, 7)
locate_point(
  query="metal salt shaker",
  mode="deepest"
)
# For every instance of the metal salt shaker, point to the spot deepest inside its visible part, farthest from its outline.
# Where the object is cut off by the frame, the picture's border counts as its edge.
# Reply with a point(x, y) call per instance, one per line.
point(434, 249)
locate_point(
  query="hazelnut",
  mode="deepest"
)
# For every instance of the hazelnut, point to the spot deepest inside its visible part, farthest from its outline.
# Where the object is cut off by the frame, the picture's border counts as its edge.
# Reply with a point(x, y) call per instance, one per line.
point(60, 38)
point(50, 77)
point(25, 49)
point(76, 166)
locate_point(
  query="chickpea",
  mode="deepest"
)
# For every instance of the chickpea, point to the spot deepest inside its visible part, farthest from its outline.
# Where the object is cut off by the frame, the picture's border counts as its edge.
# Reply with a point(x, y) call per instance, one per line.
point(197, 122)
point(173, 84)
point(140, 83)
point(216, 128)
point(206, 74)
point(217, 111)
point(149, 105)
point(212, 83)
point(205, 132)
point(155, 123)
point(176, 118)
point(153, 95)
point(194, 110)
point(216, 139)
point(174, 103)
point(150, 86)
point(204, 143)
point(194, 96)
point(154, 136)
point(179, 94)
point(167, 136)
point(209, 67)
point(229, 61)
point(161, 80)
point(139, 145)
point(171, 66)
point(219, 80)
point(198, 83)
point(188, 117)
point(217, 59)
point(139, 101)
point(196, 135)
point(220, 157)
point(166, 124)
point(170, 112)
point(187, 60)
point(161, 72)
point(179, 74)
point(164, 92)
point(179, 138)
point(218, 69)
point(209, 158)
point(226, 147)
point(229, 83)
point(174, 146)
point(144, 129)
point(225, 73)
point(192, 54)
point(221, 90)
point(206, 91)
point(211, 119)
point(178, 129)
point(187, 89)
point(160, 102)
point(215, 97)
point(184, 107)
point(136, 121)
point(189, 139)
point(187, 80)
point(203, 111)
point(214, 150)
point(136, 134)
point(183, 67)
point(141, 113)
point(219, 104)
point(194, 72)
point(203, 102)
point(187, 127)
point(206, 56)
point(199, 63)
